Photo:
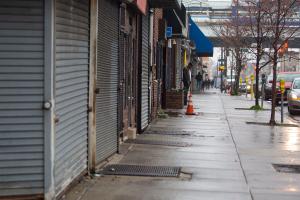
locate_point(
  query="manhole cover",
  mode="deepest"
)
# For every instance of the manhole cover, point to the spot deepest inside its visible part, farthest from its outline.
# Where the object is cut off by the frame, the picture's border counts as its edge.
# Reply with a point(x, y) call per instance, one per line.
point(295, 169)
point(139, 170)
point(156, 142)
point(188, 133)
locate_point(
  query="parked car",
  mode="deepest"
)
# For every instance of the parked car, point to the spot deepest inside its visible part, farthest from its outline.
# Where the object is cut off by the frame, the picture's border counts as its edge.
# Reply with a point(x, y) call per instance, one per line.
point(294, 97)
point(288, 77)
point(268, 88)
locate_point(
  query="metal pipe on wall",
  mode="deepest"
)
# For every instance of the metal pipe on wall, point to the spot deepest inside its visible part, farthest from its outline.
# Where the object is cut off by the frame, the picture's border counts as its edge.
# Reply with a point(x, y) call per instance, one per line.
point(151, 59)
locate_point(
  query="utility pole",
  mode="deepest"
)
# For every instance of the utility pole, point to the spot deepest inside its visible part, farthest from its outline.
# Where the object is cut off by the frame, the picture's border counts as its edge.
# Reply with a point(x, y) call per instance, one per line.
point(221, 71)
point(225, 60)
point(231, 72)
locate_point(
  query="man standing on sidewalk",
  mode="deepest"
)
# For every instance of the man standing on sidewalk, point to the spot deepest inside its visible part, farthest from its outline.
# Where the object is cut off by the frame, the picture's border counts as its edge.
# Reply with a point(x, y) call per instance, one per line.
point(199, 79)
point(186, 81)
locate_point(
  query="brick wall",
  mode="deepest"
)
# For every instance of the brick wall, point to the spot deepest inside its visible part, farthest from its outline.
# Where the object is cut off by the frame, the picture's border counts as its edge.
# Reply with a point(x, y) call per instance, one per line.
point(174, 99)
point(157, 17)
point(154, 99)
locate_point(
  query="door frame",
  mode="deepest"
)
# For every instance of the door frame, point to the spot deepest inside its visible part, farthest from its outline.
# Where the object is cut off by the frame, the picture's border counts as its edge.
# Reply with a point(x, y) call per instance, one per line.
point(49, 102)
point(131, 41)
point(92, 86)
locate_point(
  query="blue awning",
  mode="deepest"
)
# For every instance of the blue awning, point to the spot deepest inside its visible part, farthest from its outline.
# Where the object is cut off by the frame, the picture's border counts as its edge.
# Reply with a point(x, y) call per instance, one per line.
point(204, 47)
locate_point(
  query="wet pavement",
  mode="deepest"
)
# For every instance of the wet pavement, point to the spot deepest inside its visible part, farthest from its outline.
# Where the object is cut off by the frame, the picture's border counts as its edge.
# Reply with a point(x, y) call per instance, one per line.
point(226, 159)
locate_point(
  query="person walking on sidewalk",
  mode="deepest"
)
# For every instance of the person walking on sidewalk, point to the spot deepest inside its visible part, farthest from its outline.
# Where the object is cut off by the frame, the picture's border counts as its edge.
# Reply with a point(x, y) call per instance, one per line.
point(212, 83)
point(199, 79)
point(186, 81)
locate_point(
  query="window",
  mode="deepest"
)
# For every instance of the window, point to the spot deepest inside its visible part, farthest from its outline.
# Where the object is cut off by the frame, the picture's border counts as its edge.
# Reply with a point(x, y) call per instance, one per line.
point(296, 84)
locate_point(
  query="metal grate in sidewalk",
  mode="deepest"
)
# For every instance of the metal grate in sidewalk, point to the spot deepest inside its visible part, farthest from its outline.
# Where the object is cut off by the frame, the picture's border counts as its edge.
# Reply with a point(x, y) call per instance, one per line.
point(283, 168)
point(187, 133)
point(159, 142)
point(140, 170)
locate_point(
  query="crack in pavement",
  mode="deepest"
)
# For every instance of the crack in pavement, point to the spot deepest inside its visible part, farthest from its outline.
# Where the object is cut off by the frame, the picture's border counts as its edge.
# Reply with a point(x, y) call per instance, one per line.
point(235, 145)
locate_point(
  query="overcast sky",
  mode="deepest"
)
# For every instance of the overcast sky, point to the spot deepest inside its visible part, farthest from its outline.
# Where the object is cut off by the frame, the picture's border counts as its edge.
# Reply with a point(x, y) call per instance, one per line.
point(207, 3)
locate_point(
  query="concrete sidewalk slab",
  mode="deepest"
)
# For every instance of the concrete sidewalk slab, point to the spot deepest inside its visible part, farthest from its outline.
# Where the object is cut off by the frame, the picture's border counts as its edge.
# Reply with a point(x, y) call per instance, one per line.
point(228, 159)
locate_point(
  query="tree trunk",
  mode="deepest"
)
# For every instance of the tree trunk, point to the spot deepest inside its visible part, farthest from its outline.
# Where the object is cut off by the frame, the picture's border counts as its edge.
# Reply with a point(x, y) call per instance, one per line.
point(237, 76)
point(276, 40)
point(274, 92)
point(257, 78)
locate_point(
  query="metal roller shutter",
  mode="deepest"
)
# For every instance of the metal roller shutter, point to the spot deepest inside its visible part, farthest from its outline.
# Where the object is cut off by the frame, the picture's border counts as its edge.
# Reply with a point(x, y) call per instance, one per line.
point(107, 79)
point(21, 97)
point(122, 42)
point(145, 73)
point(71, 90)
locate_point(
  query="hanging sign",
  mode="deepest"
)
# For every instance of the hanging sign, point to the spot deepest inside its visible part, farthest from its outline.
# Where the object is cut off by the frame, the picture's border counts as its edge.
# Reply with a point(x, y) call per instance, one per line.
point(169, 32)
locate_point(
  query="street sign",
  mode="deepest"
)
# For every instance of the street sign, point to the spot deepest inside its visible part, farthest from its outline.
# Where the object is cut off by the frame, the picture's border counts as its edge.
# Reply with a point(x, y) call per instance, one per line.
point(169, 32)
point(221, 68)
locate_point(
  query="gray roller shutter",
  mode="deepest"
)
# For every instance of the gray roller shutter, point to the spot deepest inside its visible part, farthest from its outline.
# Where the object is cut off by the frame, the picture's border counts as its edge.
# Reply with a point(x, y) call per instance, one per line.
point(107, 79)
point(122, 52)
point(71, 91)
point(145, 73)
point(21, 97)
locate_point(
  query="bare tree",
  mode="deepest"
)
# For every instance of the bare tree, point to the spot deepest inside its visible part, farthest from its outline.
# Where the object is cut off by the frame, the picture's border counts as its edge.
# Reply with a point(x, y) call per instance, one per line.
point(233, 34)
point(282, 23)
point(256, 20)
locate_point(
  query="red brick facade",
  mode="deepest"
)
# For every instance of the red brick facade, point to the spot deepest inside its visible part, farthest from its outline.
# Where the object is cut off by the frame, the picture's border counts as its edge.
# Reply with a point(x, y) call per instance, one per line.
point(174, 99)
point(157, 17)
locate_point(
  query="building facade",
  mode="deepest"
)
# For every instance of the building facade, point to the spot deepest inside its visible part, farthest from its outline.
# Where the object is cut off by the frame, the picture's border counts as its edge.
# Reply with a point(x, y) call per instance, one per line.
point(75, 76)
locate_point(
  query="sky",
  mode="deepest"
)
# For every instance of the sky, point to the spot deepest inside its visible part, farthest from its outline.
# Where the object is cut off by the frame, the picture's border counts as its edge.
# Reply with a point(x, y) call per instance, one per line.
point(213, 4)
point(207, 3)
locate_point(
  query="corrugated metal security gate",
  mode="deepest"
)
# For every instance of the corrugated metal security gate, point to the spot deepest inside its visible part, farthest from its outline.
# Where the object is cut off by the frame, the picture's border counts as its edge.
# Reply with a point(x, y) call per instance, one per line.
point(21, 97)
point(144, 90)
point(107, 79)
point(71, 90)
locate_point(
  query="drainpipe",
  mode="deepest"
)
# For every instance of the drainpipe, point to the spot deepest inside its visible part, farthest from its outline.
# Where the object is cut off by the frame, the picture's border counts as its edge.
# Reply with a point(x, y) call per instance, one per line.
point(151, 35)
point(151, 60)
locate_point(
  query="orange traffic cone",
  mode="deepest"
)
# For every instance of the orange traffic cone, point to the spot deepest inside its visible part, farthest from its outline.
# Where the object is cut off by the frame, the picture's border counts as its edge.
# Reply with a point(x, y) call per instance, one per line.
point(190, 107)
point(190, 94)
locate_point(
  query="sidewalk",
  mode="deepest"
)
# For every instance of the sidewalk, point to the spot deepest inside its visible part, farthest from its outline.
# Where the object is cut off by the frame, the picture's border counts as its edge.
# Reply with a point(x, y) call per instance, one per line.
point(228, 159)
